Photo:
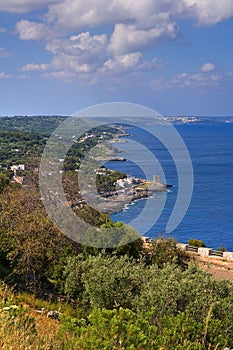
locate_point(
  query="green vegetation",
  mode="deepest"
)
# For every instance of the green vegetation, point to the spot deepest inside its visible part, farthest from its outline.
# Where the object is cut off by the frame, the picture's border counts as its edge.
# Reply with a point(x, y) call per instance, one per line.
point(221, 249)
point(20, 147)
point(136, 296)
point(165, 251)
point(196, 243)
point(125, 304)
point(23, 139)
point(28, 124)
point(106, 183)
point(4, 182)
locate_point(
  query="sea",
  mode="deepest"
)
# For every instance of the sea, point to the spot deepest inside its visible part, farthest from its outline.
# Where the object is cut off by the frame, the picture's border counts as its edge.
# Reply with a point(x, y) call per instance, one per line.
point(210, 213)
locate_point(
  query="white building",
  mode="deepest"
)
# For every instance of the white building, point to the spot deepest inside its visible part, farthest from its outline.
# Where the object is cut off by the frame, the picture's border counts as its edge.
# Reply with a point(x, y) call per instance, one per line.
point(124, 183)
point(18, 167)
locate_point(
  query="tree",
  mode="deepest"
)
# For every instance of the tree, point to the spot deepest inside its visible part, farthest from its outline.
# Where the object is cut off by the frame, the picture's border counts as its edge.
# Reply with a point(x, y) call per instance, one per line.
point(104, 281)
point(196, 243)
point(163, 251)
point(113, 238)
point(4, 182)
point(34, 244)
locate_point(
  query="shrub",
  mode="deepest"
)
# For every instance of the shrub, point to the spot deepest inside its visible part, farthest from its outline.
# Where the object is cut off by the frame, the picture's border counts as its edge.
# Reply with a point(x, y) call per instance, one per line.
point(165, 251)
point(104, 281)
point(196, 243)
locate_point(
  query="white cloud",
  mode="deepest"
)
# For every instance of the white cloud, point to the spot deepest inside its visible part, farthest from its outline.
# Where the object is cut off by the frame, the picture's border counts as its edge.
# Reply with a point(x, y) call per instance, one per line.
point(77, 14)
point(80, 53)
point(153, 64)
point(34, 67)
point(130, 28)
point(209, 12)
point(87, 55)
point(31, 30)
point(71, 63)
point(2, 30)
point(79, 44)
point(5, 76)
point(129, 38)
point(197, 79)
point(23, 6)
point(86, 58)
point(147, 19)
point(207, 67)
point(123, 62)
point(132, 61)
point(3, 52)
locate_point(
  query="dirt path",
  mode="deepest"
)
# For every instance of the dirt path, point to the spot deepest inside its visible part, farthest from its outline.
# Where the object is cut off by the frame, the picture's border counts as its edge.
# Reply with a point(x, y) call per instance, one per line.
point(217, 267)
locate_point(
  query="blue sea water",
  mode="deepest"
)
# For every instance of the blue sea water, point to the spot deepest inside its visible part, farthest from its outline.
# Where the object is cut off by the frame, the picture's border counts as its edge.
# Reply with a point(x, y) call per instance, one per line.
point(210, 214)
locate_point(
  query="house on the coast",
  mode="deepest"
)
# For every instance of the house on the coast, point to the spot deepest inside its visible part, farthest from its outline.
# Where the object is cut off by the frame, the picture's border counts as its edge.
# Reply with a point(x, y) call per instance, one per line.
point(18, 167)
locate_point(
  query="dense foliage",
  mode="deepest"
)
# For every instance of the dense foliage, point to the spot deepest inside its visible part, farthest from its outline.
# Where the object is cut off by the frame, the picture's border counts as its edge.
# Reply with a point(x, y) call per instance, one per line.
point(133, 306)
point(196, 243)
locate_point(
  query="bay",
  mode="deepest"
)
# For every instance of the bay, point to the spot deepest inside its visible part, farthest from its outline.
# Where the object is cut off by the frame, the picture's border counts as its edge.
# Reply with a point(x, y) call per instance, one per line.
point(210, 214)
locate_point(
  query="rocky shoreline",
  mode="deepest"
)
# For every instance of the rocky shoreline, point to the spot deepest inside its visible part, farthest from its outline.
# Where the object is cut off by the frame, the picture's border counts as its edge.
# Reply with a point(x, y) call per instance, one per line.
point(130, 189)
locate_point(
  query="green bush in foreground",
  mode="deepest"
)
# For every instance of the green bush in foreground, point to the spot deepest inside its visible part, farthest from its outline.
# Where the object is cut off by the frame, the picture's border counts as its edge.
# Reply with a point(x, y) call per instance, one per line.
point(124, 329)
point(129, 305)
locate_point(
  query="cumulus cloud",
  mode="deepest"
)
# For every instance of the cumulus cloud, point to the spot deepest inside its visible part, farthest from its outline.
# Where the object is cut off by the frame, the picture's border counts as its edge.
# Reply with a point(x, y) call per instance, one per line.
point(129, 38)
point(148, 20)
point(123, 62)
point(86, 54)
point(72, 15)
point(79, 53)
point(86, 57)
point(66, 16)
point(23, 6)
point(34, 67)
point(29, 30)
point(79, 44)
point(76, 14)
point(207, 67)
point(206, 76)
point(132, 61)
point(137, 24)
point(209, 12)
point(69, 27)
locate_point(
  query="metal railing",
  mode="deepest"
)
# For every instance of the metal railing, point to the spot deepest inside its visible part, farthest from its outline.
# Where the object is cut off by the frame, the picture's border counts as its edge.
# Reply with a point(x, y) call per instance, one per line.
point(192, 249)
point(216, 253)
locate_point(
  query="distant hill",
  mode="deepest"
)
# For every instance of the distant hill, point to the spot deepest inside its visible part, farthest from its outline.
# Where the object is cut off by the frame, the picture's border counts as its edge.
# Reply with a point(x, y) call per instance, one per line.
point(47, 124)
point(35, 124)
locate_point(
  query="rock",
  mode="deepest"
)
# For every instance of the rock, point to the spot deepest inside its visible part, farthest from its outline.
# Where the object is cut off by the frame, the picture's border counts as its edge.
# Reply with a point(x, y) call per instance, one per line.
point(7, 308)
point(53, 314)
point(42, 311)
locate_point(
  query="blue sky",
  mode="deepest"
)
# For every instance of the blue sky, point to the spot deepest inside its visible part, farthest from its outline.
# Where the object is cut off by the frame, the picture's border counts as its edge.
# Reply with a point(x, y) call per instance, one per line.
point(175, 56)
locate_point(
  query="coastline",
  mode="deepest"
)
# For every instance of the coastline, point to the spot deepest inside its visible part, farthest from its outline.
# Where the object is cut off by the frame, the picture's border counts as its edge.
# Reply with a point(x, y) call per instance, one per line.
point(122, 198)
point(132, 189)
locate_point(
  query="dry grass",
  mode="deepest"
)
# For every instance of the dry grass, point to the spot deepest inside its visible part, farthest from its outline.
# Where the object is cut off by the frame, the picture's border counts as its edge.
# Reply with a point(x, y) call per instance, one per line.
point(22, 327)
